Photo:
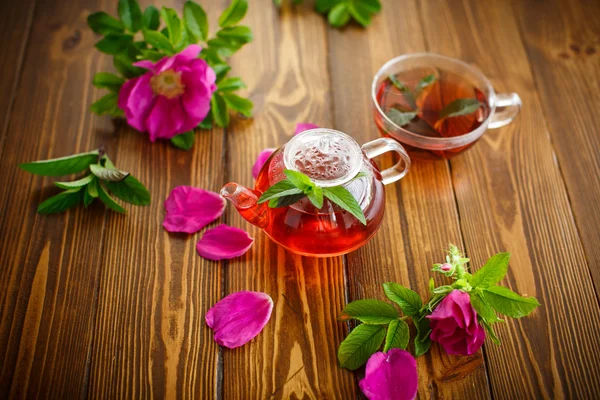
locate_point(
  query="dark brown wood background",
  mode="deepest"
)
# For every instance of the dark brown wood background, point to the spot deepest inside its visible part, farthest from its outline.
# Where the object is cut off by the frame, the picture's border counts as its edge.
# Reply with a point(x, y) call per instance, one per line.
point(95, 304)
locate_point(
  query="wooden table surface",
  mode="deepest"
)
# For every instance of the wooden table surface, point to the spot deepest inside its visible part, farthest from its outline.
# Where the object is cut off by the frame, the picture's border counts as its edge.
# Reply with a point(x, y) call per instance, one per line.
point(96, 304)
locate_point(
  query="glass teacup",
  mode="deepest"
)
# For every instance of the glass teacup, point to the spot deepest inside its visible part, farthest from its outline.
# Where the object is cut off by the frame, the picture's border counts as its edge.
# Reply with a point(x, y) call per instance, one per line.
point(425, 84)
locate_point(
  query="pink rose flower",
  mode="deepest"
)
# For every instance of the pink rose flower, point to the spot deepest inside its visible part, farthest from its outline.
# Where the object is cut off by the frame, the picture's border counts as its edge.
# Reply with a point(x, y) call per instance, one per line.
point(454, 325)
point(239, 317)
point(173, 97)
point(390, 376)
point(446, 267)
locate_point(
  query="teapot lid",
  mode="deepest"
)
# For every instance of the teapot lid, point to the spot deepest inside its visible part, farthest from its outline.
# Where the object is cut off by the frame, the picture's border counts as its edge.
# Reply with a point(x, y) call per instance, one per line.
point(328, 157)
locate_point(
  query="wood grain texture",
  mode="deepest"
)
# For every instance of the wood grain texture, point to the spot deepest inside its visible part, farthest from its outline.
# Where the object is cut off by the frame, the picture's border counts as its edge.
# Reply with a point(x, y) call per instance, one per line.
point(511, 197)
point(150, 338)
point(50, 264)
point(16, 19)
point(562, 40)
point(295, 355)
point(421, 216)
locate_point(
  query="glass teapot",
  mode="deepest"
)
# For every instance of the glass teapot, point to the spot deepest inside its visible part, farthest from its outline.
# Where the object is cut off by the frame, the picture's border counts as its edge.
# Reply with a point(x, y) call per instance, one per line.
point(329, 158)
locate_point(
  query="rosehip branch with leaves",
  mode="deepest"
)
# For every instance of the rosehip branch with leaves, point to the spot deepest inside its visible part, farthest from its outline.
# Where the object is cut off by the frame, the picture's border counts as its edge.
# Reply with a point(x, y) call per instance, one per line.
point(168, 85)
point(457, 316)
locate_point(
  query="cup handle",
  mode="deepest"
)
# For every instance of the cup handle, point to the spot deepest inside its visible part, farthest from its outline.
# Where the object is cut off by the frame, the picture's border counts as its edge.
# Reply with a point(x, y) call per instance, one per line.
point(383, 145)
point(512, 103)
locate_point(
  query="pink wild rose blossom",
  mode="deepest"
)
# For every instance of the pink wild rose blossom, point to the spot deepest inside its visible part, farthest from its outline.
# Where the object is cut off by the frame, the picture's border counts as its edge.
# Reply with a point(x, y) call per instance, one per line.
point(454, 325)
point(390, 376)
point(173, 97)
point(239, 317)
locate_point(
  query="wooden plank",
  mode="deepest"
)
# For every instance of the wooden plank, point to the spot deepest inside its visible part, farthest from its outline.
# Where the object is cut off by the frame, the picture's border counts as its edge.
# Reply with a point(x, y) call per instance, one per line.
point(15, 26)
point(50, 264)
point(295, 355)
point(151, 339)
point(421, 216)
point(511, 197)
point(562, 39)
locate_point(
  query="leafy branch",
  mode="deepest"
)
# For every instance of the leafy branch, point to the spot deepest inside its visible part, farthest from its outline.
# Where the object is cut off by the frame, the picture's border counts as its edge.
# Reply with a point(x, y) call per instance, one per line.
point(341, 12)
point(101, 179)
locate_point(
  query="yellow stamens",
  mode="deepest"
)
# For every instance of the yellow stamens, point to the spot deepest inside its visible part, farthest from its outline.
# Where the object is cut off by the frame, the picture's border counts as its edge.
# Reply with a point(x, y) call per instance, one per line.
point(168, 84)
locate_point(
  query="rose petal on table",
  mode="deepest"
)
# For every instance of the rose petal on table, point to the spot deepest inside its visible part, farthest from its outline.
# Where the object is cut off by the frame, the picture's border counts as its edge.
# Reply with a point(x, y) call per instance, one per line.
point(224, 242)
point(390, 376)
point(239, 317)
point(190, 209)
point(262, 158)
point(304, 127)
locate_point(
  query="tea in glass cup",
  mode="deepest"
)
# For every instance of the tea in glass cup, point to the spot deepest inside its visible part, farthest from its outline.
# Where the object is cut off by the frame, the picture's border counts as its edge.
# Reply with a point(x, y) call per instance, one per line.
point(437, 105)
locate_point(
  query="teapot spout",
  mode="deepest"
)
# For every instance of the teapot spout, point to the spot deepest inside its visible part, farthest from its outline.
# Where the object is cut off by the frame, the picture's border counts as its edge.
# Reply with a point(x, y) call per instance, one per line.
point(246, 202)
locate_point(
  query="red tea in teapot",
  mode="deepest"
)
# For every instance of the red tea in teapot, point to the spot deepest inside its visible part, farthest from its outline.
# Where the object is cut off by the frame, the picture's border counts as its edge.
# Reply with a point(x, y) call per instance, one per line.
point(329, 158)
point(401, 91)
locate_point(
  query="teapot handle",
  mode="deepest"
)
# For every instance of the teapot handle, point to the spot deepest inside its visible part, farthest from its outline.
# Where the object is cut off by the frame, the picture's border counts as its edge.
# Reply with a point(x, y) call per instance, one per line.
point(379, 146)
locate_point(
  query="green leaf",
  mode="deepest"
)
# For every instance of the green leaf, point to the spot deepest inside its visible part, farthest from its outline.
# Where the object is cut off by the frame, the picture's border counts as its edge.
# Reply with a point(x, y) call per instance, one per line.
point(369, 311)
point(359, 345)
point(299, 180)
point(207, 122)
point(339, 15)
point(316, 197)
point(109, 201)
point(131, 14)
point(75, 184)
point(280, 189)
point(408, 300)
point(221, 70)
point(102, 23)
point(114, 43)
point(130, 190)
point(492, 272)
point(239, 104)
point(230, 84)
point(483, 309)
point(408, 95)
point(196, 20)
point(343, 198)
point(108, 174)
point(286, 200)
point(219, 111)
point(151, 18)
point(151, 55)
point(397, 335)
point(87, 198)
point(422, 340)
point(109, 81)
point(509, 303)
point(224, 47)
point(234, 13)
point(490, 332)
point(400, 118)
point(107, 104)
point(62, 165)
point(460, 107)
point(61, 202)
point(92, 188)
point(323, 6)
point(173, 24)
point(124, 64)
point(184, 141)
point(241, 34)
point(373, 6)
point(360, 14)
point(159, 41)
point(423, 83)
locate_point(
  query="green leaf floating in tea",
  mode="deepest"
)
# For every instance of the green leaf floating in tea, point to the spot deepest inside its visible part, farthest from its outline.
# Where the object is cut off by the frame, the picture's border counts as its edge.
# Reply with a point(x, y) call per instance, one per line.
point(460, 107)
point(400, 118)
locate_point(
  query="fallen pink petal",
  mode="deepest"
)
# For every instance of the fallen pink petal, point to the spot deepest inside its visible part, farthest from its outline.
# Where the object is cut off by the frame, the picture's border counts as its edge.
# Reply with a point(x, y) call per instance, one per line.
point(261, 160)
point(224, 242)
point(304, 127)
point(390, 376)
point(239, 317)
point(190, 209)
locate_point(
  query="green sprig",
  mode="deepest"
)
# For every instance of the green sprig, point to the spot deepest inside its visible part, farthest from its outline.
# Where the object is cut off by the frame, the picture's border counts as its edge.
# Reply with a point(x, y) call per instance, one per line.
point(340, 12)
point(297, 186)
point(101, 179)
point(382, 325)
